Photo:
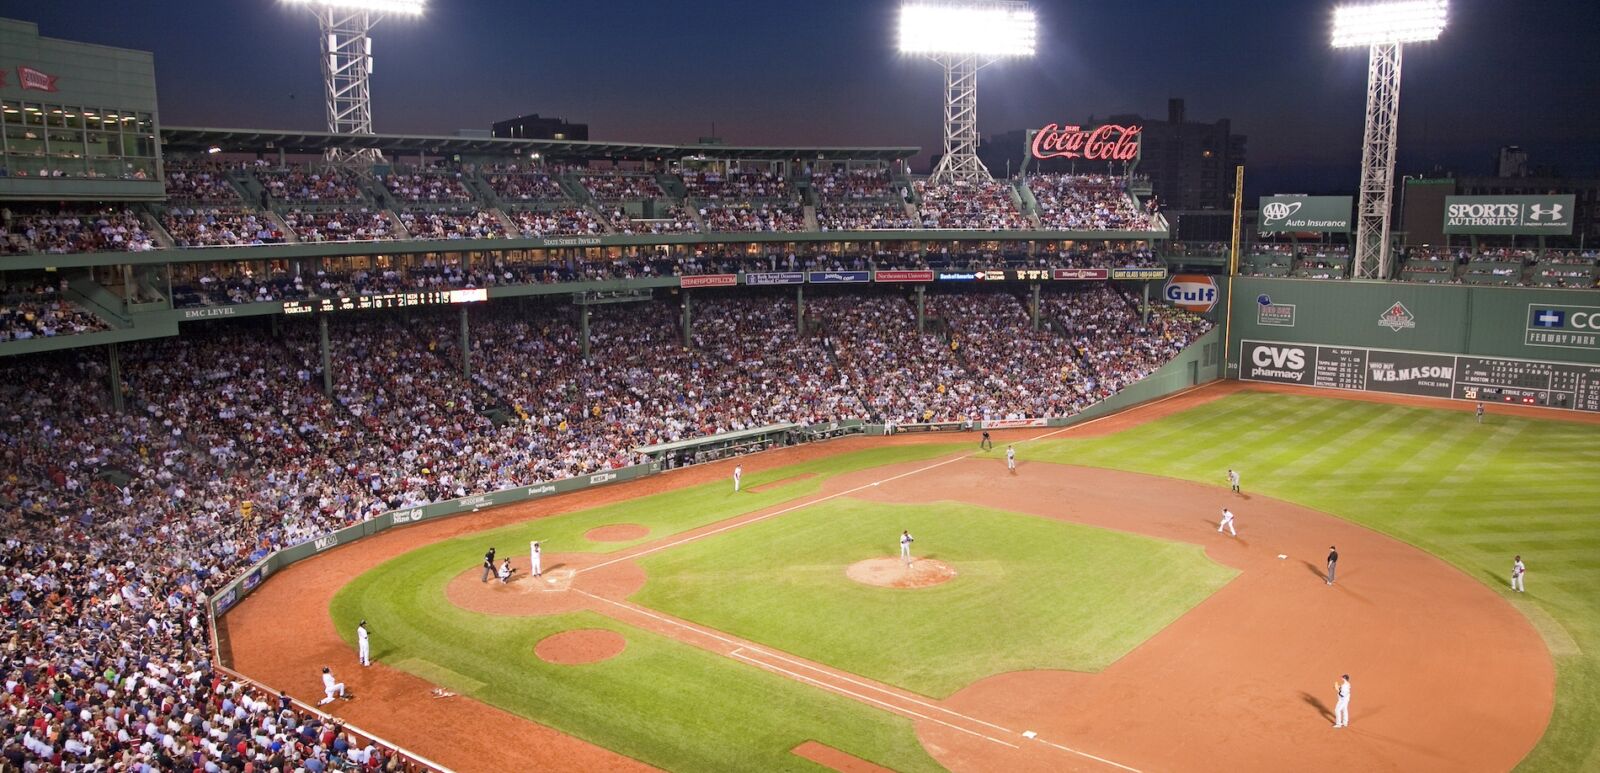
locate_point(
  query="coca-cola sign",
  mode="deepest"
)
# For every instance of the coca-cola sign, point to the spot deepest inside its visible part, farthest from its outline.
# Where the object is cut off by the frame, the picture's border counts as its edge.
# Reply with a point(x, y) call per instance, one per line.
point(1111, 142)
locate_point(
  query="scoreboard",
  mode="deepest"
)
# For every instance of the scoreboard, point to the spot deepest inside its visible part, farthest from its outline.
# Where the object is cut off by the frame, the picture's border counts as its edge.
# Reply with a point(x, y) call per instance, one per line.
point(386, 301)
point(1490, 379)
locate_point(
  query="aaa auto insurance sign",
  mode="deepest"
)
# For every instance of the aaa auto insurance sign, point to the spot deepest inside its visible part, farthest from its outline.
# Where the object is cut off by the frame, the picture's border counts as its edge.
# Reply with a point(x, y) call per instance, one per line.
point(1537, 215)
point(1191, 292)
point(1322, 214)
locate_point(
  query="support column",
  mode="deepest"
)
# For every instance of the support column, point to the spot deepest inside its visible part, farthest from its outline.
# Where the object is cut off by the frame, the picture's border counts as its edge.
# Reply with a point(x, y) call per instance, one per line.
point(1033, 305)
point(466, 346)
point(688, 321)
point(114, 368)
point(583, 330)
point(921, 317)
point(1144, 308)
point(327, 357)
point(127, 286)
point(800, 309)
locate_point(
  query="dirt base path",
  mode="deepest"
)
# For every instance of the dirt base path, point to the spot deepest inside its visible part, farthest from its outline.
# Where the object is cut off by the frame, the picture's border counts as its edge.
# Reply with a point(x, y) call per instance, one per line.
point(283, 633)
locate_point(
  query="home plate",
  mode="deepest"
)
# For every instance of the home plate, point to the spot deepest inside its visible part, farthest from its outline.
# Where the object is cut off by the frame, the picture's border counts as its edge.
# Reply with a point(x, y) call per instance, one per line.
point(558, 579)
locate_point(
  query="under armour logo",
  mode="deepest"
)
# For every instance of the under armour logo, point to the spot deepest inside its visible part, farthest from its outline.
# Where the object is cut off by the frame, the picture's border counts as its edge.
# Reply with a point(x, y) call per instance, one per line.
point(1539, 211)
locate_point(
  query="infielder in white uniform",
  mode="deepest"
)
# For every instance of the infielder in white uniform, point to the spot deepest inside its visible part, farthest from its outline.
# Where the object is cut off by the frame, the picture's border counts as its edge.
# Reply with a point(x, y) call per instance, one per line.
point(331, 688)
point(905, 546)
point(1233, 480)
point(537, 566)
point(363, 646)
point(738, 473)
point(1517, 570)
point(1341, 709)
point(1227, 522)
point(1011, 458)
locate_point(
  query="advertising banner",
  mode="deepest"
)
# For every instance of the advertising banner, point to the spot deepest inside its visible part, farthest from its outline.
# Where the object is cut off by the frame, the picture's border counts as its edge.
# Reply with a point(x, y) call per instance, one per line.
point(1274, 314)
point(1514, 215)
point(1086, 274)
point(1563, 326)
point(708, 280)
point(1013, 423)
point(1277, 363)
point(838, 277)
point(775, 278)
point(1322, 214)
point(1111, 142)
point(902, 276)
point(1191, 292)
point(1159, 272)
point(1410, 373)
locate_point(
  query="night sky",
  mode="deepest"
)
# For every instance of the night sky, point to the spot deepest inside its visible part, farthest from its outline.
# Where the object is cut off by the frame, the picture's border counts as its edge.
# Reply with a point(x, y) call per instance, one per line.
point(825, 72)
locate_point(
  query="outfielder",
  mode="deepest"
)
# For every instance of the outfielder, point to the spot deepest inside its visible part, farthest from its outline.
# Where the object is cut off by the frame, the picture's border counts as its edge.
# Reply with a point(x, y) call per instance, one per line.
point(1227, 522)
point(1333, 562)
point(1341, 709)
point(1011, 458)
point(537, 566)
point(1517, 570)
point(738, 474)
point(332, 689)
point(363, 646)
point(905, 546)
point(1480, 412)
point(1233, 480)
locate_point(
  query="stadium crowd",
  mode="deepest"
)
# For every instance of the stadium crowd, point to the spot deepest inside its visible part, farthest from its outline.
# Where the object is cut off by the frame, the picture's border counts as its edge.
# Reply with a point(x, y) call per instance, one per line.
point(218, 227)
point(339, 224)
point(109, 656)
point(984, 206)
point(1086, 202)
point(68, 231)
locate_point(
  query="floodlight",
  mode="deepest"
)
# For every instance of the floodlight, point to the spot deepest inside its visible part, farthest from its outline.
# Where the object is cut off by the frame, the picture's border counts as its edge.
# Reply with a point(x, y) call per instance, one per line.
point(963, 37)
point(406, 7)
point(984, 29)
point(1408, 21)
point(1383, 28)
point(346, 52)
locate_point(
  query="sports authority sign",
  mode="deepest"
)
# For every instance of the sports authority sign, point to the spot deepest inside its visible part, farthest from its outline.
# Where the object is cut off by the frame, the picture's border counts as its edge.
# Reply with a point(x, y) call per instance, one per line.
point(1563, 326)
point(1191, 292)
point(1537, 215)
point(1324, 214)
point(1111, 142)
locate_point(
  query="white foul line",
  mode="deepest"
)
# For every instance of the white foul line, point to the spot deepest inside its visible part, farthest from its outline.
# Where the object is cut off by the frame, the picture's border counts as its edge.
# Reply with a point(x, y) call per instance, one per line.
point(739, 654)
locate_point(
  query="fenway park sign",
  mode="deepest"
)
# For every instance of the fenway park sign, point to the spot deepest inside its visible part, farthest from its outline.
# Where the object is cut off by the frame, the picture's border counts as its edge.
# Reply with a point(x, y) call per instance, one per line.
point(1111, 142)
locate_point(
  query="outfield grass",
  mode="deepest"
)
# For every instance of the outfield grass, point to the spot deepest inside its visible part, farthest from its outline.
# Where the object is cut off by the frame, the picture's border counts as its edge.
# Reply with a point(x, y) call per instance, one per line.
point(1472, 494)
point(663, 702)
point(1031, 593)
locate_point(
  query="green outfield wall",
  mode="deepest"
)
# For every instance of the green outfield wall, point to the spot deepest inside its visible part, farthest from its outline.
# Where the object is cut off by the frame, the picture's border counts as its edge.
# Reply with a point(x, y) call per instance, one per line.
point(1453, 319)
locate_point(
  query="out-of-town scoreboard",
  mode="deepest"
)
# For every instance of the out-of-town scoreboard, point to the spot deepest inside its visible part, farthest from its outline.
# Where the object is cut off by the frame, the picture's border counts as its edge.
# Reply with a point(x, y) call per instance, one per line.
point(1463, 377)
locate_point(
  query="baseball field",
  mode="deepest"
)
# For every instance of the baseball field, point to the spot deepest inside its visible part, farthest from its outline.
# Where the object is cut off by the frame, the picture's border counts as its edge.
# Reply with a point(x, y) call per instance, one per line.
point(1081, 613)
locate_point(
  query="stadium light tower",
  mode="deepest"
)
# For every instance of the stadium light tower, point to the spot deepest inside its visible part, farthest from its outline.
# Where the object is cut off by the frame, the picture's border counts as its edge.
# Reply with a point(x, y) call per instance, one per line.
point(347, 64)
point(1383, 28)
point(965, 37)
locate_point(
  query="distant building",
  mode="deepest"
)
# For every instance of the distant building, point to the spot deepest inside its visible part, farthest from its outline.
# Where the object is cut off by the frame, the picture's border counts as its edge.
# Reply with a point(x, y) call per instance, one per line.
point(1190, 164)
point(533, 127)
point(1512, 162)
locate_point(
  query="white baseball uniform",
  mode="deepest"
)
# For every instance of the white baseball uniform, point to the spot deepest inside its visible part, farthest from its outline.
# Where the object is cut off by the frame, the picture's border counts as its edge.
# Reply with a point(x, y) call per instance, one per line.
point(537, 567)
point(1227, 522)
point(738, 473)
point(905, 547)
point(1233, 479)
point(363, 646)
point(1517, 570)
point(330, 689)
point(1341, 710)
point(1011, 459)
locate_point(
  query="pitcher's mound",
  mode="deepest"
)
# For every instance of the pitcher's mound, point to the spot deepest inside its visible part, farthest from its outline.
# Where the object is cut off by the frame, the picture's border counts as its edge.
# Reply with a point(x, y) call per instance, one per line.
point(585, 645)
point(893, 572)
point(616, 532)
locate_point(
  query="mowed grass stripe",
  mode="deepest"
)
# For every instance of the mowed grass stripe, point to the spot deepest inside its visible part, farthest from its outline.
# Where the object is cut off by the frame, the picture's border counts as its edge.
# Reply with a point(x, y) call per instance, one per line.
point(1472, 494)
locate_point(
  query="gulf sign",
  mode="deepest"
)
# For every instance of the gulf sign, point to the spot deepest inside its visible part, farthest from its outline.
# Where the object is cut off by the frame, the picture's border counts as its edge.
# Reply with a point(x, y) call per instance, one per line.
point(1191, 292)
